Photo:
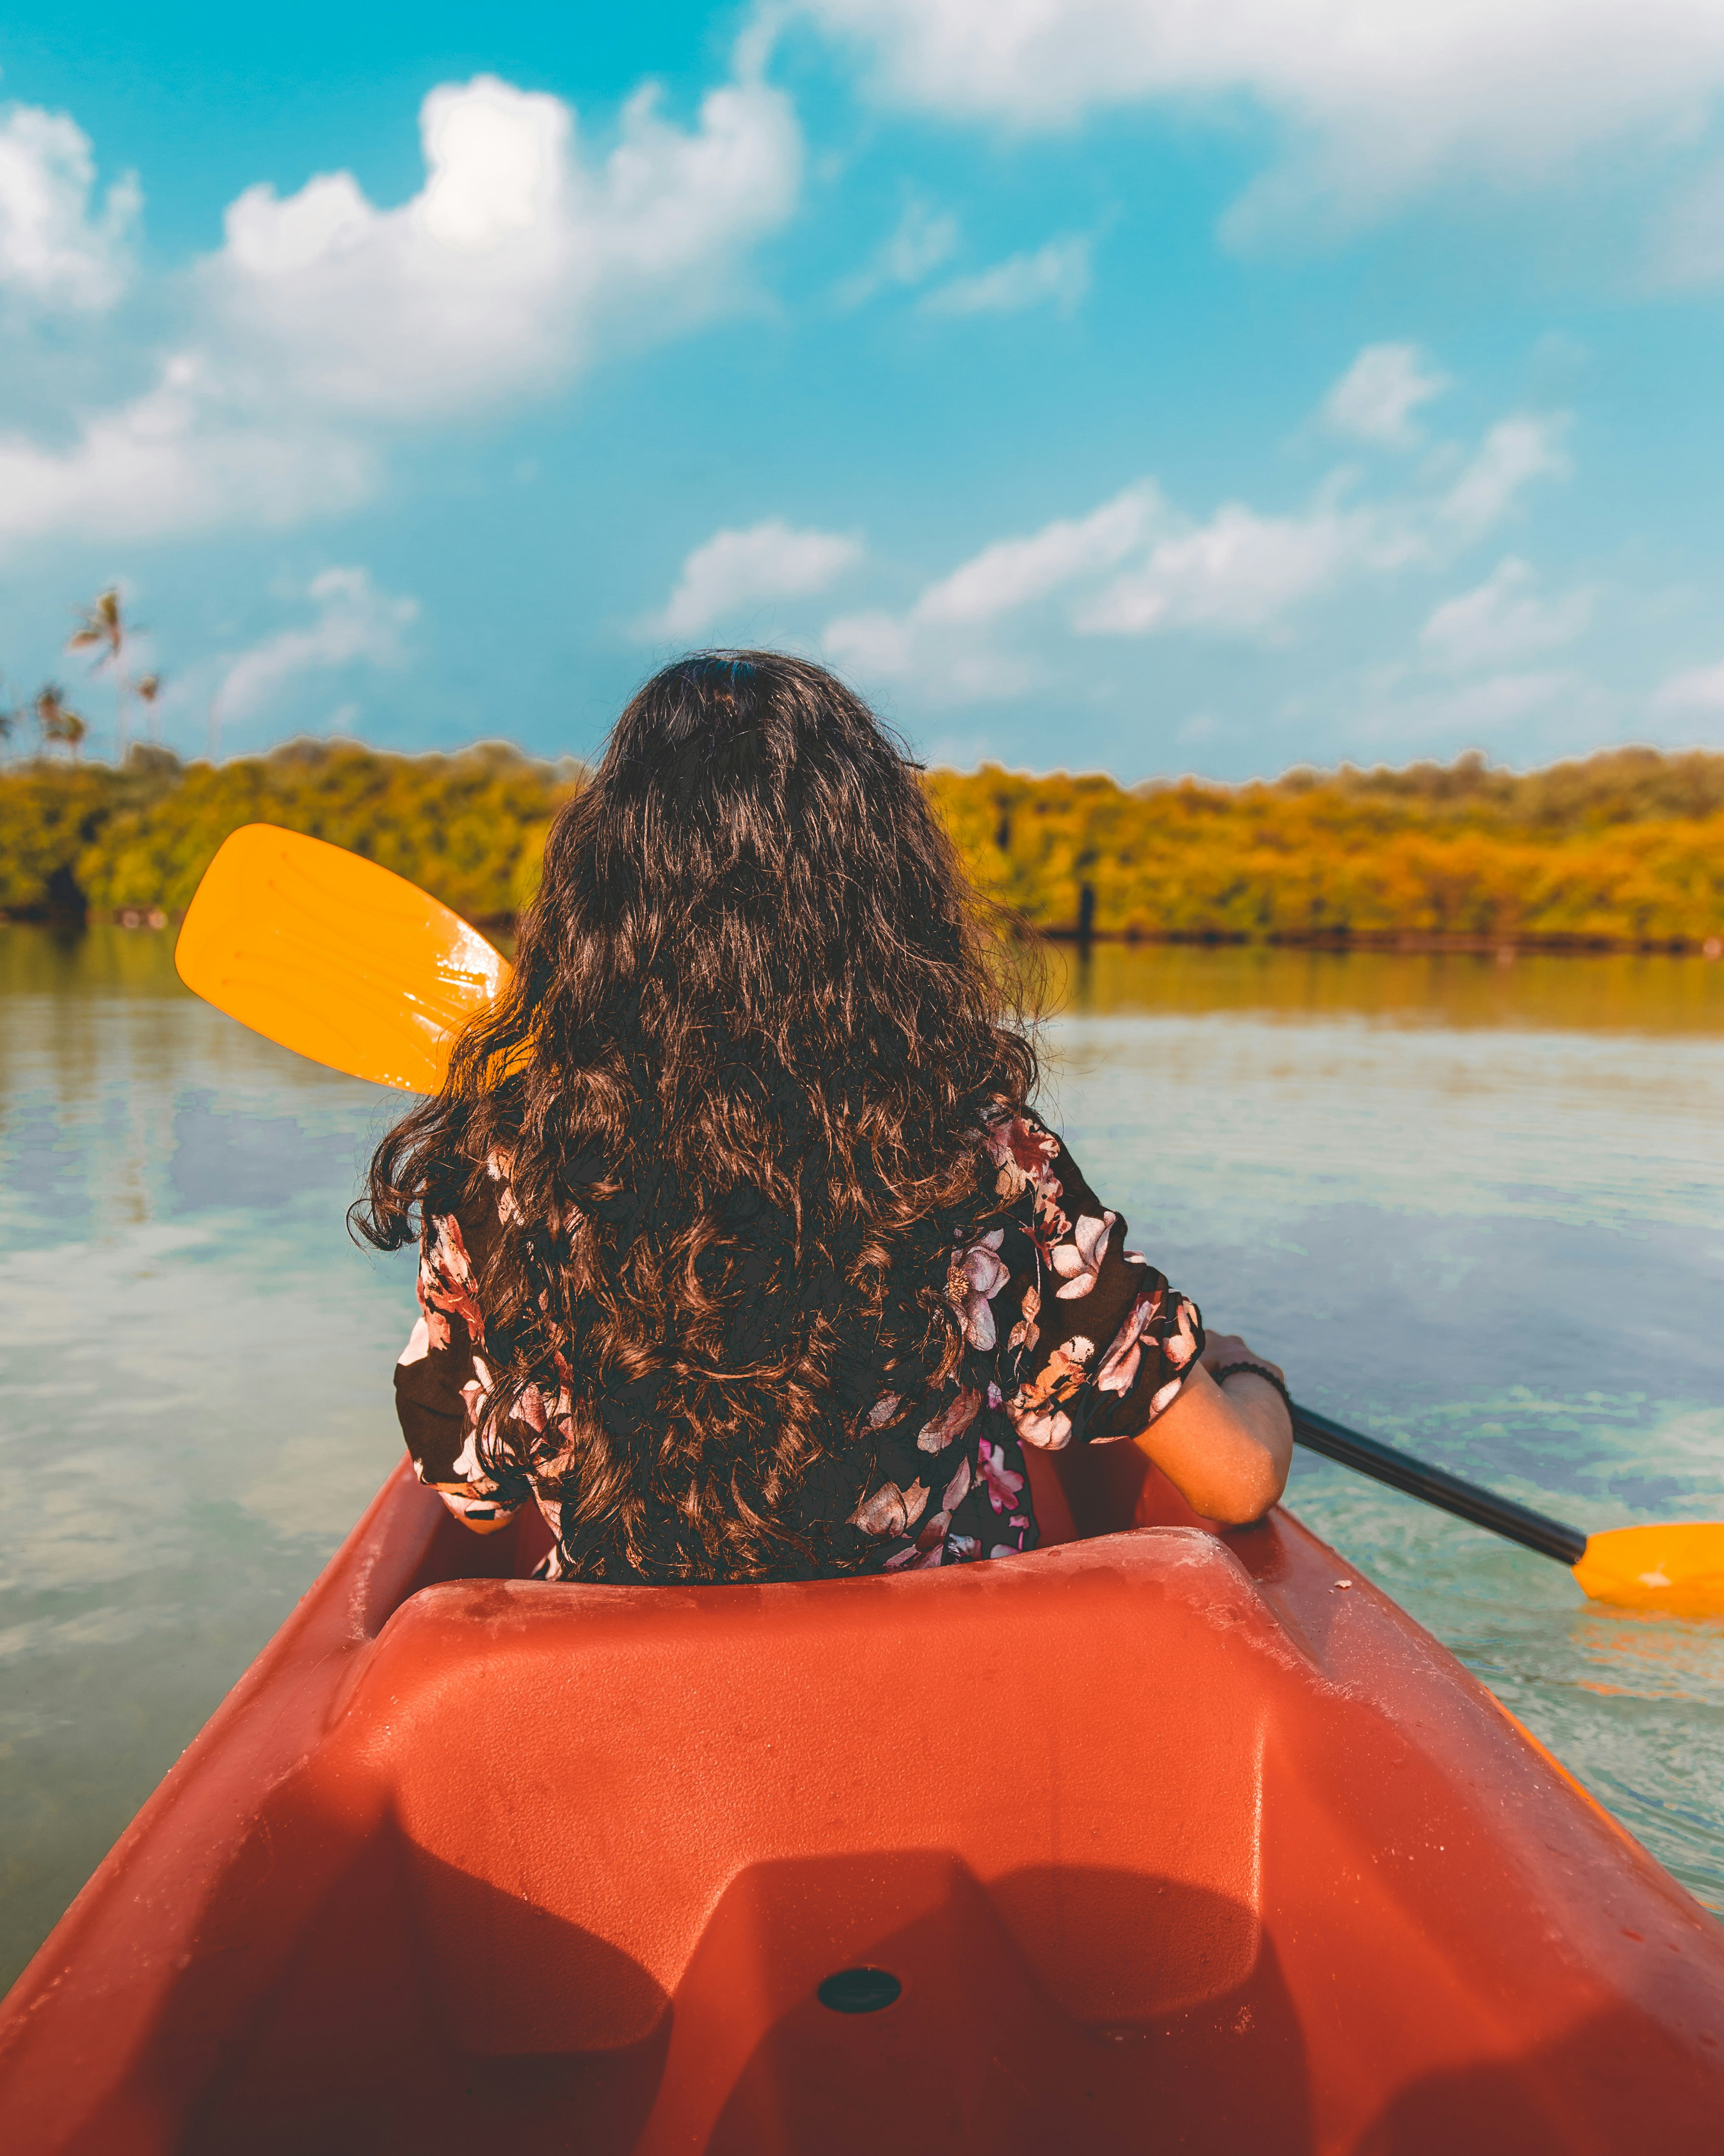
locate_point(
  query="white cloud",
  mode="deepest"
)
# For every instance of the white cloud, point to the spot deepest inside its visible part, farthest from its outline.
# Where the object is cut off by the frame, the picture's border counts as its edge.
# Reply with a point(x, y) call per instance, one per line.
point(1476, 712)
point(1500, 699)
point(324, 319)
point(735, 569)
point(1375, 400)
point(1700, 689)
point(924, 238)
point(177, 459)
point(1374, 101)
point(878, 646)
point(941, 640)
point(1503, 619)
point(1688, 247)
point(1056, 274)
point(356, 623)
point(1134, 566)
point(1241, 571)
point(513, 259)
point(1517, 450)
point(54, 252)
point(1238, 572)
point(1015, 572)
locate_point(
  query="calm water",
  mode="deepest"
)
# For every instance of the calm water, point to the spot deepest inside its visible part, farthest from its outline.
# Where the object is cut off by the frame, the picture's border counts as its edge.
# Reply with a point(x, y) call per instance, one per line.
point(1480, 1208)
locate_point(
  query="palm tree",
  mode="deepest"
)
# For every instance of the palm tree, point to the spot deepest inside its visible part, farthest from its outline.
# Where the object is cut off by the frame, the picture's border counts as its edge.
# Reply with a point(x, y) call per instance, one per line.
point(148, 688)
point(57, 719)
point(9, 716)
point(101, 628)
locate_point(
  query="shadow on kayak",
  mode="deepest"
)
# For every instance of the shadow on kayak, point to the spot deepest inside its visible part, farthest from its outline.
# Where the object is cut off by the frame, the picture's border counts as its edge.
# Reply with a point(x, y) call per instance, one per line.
point(1058, 2007)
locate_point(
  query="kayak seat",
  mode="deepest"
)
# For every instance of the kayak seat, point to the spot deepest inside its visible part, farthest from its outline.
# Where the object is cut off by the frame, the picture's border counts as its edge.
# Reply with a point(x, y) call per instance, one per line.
point(630, 1833)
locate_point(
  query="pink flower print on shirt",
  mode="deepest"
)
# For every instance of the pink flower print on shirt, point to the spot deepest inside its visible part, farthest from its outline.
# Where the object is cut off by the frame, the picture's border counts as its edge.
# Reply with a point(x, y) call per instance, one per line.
point(881, 1413)
point(1118, 1372)
point(927, 1550)
point(1183, 1345)
point(1003, 1483)
point(974, 1279)
point(1026, 1333)
point(477, 1391)
point(498, 1168)
point(953, 1419)
point(889, 1510)
point(1023, 1152)
point(446, 1281)
point(1051, 1427)
point(929, 1547)
point(434, 1321)
point(1051, 1220)
point(1019, 1527)
point(472, 1494)
point(1079, 1262)
point(1035, 1409)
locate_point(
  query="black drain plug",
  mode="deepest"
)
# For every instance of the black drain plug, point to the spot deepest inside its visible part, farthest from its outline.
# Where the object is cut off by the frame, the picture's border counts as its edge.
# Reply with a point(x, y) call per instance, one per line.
point(859, 1990)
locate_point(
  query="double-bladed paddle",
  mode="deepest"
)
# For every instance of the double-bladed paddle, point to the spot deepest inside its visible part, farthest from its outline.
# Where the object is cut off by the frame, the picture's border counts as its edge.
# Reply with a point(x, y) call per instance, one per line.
point(347, 963)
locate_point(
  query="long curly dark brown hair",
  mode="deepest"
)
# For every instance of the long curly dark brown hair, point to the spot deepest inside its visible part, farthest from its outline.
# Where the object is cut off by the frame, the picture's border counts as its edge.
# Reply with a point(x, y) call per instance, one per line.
point(737, 1083)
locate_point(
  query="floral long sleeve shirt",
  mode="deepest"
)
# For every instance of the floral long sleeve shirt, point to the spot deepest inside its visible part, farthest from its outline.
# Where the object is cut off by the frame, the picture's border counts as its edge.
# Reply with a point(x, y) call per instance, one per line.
point(1068, 1338)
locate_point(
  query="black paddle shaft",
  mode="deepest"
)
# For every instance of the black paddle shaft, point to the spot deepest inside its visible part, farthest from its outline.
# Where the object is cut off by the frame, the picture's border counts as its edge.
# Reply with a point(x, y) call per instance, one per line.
point(1401, 1472)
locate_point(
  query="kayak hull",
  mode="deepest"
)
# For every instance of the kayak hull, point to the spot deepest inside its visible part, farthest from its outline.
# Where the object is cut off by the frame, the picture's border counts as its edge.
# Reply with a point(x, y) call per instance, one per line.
point(1167, 1838)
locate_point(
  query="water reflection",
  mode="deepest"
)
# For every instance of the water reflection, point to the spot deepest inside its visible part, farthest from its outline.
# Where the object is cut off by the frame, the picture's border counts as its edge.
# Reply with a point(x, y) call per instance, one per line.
point(1618, 991)
point(1474, 1206)
point(193, 1378)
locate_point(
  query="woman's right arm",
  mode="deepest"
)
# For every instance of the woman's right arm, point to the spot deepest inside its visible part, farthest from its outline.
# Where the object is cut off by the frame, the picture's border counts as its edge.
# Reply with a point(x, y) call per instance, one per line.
point(1112, 1351)
point(1225, 1449)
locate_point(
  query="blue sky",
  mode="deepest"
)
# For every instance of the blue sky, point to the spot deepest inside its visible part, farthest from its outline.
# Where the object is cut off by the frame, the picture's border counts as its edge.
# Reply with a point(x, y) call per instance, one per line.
point(1097, 383)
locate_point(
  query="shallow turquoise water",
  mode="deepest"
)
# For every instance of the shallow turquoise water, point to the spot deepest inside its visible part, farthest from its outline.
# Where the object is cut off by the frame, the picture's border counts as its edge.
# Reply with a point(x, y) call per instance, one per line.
point(1473, 1206)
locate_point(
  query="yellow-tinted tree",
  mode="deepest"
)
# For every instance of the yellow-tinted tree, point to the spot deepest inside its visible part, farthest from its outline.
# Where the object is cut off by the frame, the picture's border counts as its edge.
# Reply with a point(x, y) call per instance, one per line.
point(469, 828)
point(1625, 847)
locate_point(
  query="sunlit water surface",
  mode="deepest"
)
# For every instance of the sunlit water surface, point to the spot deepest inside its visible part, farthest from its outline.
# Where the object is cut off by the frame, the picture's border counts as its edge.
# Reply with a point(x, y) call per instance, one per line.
point(1478, 1209)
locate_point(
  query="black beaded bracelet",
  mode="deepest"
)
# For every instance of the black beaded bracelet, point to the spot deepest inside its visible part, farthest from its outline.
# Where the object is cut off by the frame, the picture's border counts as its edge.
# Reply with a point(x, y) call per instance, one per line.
point(1256, 1370)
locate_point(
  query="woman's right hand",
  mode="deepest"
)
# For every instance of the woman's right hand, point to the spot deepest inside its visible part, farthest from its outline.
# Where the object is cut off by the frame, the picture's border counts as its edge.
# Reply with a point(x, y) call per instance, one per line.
point(1224, 1349)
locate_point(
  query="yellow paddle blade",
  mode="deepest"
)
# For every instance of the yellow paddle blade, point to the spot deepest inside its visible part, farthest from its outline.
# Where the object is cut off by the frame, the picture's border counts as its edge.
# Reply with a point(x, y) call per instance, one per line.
point(334, 957)
point(1679, 1567)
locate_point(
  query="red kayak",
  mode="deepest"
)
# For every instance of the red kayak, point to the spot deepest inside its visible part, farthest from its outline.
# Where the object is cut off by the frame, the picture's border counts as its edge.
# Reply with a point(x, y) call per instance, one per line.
point(1153, 1839)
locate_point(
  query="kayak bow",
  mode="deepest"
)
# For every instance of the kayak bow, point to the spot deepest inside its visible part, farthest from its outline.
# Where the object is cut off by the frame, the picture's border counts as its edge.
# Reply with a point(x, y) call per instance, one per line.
point(1153, 1837)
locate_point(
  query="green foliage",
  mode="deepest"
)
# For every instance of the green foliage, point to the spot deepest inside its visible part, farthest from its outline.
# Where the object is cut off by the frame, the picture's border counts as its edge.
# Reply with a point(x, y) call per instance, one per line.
point(470, 828)
point(49, 815)
point(1625, 847)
